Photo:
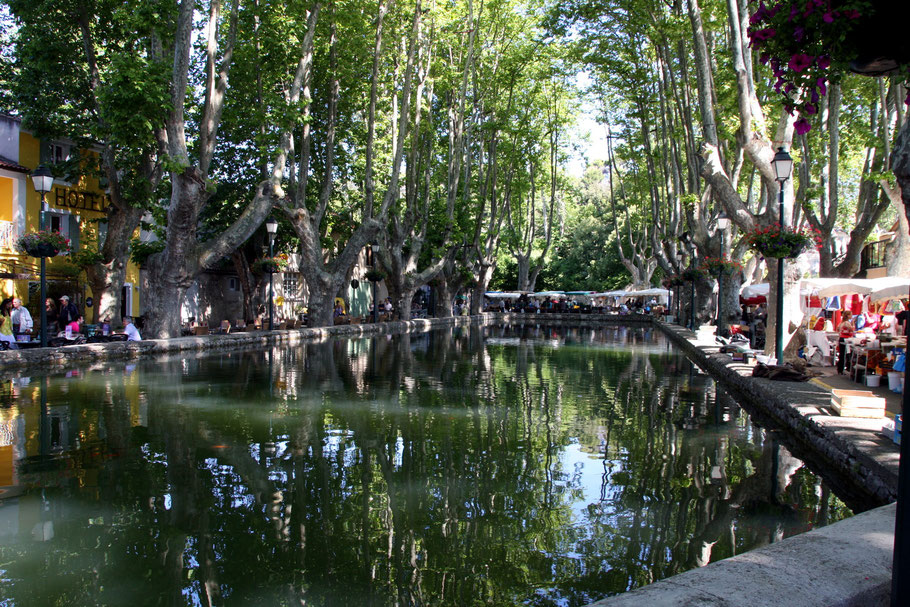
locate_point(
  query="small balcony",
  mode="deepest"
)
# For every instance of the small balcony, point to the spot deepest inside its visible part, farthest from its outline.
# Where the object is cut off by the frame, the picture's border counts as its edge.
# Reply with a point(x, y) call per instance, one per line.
point(8, 237)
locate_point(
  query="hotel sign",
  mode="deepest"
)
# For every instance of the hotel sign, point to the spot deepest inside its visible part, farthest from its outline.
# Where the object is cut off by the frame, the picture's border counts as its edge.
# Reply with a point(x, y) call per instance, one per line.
point(82, 201)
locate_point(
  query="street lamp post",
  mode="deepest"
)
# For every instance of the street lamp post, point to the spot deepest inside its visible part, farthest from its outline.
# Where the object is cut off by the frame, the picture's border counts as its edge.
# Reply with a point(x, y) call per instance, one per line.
point(679, 260)
point(43, 181)
point(692, 307)
point(375, 249)
point(271, 227)
point(783, 166)
point(722, 223)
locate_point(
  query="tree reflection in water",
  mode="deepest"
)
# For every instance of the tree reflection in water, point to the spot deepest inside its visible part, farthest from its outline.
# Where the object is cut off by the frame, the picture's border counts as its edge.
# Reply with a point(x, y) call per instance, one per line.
point(498, 466)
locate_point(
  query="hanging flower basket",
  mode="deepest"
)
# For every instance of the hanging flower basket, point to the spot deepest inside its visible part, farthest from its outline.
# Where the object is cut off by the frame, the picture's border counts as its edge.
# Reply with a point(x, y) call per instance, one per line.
point(782, 243)
point(809, 44)
point(269, 265)
point(374, 275)
point(692, 274)
point(43, 244)
point(672, 281)
point(721, 266)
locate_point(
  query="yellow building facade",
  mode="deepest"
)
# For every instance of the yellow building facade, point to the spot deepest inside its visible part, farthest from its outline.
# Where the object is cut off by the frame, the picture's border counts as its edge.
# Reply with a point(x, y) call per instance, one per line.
point(76, 209)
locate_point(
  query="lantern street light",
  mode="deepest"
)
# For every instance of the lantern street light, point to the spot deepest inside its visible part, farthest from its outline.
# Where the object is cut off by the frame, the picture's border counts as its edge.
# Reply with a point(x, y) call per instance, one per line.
point(43, 181)
point(374, 248)
point(271, 226)
point(684, 238)
point(679, 263)
point(783, 166)
point(723, 222)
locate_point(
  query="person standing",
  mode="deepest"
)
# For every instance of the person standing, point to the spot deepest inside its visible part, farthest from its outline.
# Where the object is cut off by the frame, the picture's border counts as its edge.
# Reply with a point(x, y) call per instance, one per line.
point(68, 312)
point(22, 319)
point(6, 323)
point(51, 313)
point(845, 331)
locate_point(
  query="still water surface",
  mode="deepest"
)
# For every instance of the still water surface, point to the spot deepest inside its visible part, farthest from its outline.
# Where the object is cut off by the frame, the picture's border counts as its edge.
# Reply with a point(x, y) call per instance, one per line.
point(491, 466)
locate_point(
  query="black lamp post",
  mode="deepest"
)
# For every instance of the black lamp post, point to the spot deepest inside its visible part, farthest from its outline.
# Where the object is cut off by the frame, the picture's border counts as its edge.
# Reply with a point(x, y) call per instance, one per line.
point(679, 261)
point(271, 227)
point(43, 181)
point(783, 166)
point(375, 250)
point(722, 223)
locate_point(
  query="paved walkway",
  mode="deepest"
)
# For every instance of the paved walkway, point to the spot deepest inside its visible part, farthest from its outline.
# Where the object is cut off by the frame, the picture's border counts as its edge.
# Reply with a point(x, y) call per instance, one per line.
point(811, 401)
point(847, 563)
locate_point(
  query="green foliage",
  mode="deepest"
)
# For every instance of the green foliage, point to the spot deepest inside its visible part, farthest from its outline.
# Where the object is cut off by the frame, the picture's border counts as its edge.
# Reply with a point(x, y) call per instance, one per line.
point(141, 251)
point(86, 256)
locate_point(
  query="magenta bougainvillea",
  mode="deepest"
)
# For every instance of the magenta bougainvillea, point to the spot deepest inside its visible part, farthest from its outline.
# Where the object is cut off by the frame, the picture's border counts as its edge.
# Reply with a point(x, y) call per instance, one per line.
point(808, 44)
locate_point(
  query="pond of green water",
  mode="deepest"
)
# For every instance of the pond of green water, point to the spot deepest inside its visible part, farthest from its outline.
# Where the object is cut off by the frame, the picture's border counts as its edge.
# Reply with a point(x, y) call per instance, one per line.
point(484, 466)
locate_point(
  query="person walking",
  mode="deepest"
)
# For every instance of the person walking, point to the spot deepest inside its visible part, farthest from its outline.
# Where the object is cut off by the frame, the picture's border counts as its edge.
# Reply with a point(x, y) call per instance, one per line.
point(51, 313)
point(22, 318)
point(68, 312)
point(6, 323)
point(845, 330)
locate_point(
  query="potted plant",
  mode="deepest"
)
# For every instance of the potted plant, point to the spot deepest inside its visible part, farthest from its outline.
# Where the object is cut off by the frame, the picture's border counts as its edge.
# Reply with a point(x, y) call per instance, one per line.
point(782, 242)
point(721, 266)
point(374, 275)
point(268, 265)
point(809, 44)
point(692, 274)
point(43, 244)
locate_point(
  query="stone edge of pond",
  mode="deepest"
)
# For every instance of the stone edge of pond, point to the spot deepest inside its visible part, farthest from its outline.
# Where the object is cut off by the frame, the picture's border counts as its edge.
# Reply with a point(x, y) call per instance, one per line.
point(847, 448)
point(58, 358)
point(845, 564)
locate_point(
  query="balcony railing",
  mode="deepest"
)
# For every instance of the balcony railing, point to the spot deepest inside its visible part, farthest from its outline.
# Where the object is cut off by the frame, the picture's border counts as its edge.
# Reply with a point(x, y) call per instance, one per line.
point(8, 237)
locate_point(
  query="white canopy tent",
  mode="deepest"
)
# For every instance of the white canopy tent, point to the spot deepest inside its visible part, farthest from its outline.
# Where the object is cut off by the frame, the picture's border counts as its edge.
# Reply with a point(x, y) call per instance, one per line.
point(662, 295)
point(890, 288)
point(502, 295)
point(551, 294)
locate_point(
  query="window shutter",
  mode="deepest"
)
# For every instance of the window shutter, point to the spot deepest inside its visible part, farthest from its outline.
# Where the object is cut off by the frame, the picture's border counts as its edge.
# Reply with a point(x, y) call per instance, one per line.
point(74, 232)
point(46, 155)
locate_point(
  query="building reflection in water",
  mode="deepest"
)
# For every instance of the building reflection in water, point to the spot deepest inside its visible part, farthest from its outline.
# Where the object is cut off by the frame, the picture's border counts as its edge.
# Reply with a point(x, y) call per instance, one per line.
point(532, 465)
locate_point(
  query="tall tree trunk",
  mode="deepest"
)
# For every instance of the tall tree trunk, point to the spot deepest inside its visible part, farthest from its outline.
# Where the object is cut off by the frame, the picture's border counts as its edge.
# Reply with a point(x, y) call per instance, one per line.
point(443, 296)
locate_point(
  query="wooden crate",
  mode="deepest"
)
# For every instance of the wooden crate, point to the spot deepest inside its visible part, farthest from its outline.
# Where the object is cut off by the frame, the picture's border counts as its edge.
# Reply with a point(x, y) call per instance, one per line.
point(857, 403)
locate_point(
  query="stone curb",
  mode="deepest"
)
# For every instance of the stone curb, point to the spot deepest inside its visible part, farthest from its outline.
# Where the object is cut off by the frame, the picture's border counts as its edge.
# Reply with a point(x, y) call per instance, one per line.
point(830, 448)
point(13, 361)
point(846, 564)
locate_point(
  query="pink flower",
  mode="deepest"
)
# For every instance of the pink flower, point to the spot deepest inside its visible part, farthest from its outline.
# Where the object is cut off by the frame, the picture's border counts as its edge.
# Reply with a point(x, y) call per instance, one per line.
point(800, 62)
point(802, 126)
point(823, 61)
point(764, 34)
point(822, 87)
point(828, 17)
point(810, 109)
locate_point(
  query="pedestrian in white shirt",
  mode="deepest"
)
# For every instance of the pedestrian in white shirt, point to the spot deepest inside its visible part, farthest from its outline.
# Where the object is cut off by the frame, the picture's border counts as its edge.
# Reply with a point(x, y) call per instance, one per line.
point(130, 329)
point(22, 319)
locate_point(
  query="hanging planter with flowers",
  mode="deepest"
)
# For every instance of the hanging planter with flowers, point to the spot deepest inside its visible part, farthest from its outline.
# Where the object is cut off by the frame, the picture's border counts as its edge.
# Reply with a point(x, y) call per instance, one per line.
point(43, 244)
point(692, 274)
point(269, 265)
point(374, 275)
point(721, 266)
point(782, 243)
point(672, 281)
point(809, 44)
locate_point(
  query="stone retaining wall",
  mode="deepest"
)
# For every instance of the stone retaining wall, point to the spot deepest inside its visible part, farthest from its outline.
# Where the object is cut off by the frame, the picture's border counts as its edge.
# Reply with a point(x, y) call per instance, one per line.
point(870, 482)
point(847, 563)
point(13, 361)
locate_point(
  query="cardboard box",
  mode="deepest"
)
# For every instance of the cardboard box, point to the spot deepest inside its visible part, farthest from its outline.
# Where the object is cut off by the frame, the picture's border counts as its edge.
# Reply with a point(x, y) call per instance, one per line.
point(857, 403)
